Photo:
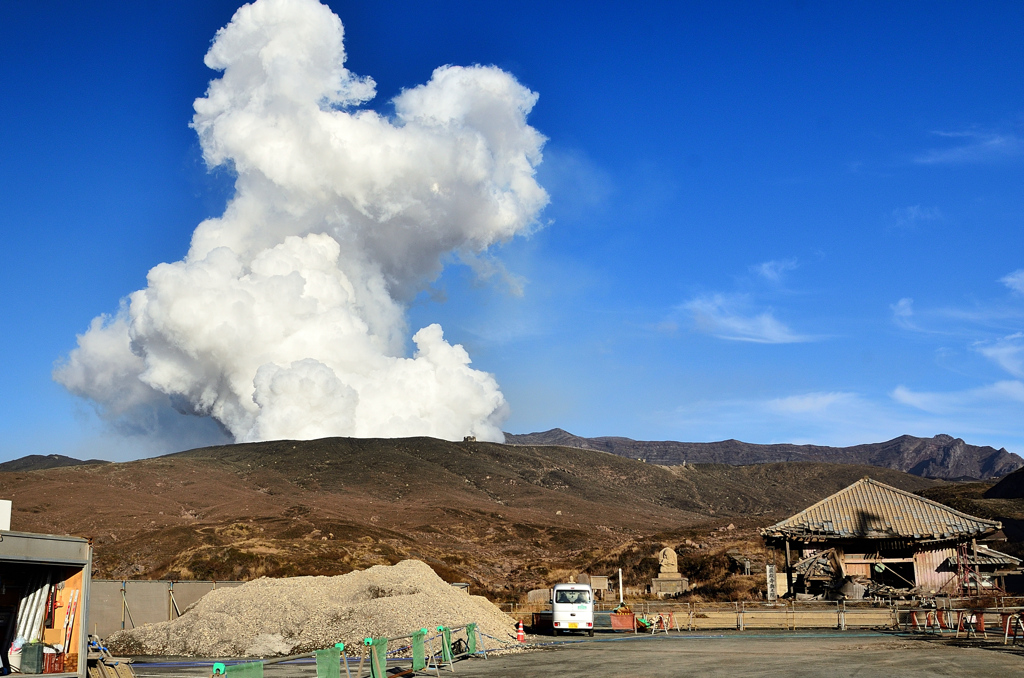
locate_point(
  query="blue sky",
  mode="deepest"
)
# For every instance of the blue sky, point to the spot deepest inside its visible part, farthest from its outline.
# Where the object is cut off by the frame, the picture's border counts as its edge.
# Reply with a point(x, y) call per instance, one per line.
point(768, 221)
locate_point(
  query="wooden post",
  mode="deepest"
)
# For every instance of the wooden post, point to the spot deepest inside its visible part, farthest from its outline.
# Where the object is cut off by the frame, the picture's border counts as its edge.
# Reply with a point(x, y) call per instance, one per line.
point(977, 572)
point(789, 574)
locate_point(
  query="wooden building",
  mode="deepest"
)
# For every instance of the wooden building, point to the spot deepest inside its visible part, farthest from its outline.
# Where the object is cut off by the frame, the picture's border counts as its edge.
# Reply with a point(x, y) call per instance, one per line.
point(873, 535)
point(990, 569)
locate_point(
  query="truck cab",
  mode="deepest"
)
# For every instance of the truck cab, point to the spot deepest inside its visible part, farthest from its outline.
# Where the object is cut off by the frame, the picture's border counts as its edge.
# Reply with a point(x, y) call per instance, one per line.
point(572, 608)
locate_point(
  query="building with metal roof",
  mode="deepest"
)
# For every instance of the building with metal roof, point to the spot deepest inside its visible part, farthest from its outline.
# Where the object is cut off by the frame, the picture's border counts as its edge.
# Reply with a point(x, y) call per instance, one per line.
point(881, 535)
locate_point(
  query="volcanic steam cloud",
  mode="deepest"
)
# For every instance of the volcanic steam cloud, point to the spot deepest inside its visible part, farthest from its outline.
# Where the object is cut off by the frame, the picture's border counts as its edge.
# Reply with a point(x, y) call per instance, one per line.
point(286, 319)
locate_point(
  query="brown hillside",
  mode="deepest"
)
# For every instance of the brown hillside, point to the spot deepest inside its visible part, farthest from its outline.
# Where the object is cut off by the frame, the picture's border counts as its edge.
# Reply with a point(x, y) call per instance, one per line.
point(976, 499)
point(1010, 487)
point(502, 517)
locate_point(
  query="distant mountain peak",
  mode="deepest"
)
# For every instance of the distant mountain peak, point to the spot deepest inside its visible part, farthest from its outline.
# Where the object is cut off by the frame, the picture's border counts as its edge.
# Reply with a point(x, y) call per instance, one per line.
point(37, 462)
point(941, 456)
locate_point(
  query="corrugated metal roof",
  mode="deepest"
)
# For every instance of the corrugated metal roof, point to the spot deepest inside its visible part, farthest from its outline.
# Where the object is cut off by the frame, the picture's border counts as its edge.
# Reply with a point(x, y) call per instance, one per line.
point(869, 509)
point(987, 556)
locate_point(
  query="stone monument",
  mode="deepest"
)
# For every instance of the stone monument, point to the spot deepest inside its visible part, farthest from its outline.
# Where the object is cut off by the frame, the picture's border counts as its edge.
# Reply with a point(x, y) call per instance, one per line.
point(669, 582)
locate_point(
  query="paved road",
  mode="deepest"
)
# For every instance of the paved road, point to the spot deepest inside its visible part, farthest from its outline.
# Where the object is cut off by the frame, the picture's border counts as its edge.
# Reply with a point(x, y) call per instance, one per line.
point(752, 655)
point(746, 655)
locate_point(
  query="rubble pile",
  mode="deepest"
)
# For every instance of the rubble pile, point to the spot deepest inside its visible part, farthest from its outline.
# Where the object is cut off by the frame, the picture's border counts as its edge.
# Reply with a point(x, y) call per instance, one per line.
point(276, 617)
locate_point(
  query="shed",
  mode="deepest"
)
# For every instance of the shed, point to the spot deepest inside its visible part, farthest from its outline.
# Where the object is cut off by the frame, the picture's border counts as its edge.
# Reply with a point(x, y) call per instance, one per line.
point(44, 598)
point(882, 535)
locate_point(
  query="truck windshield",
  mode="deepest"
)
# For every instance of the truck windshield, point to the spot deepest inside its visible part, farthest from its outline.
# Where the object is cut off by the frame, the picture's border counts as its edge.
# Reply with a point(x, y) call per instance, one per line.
point(572, 596)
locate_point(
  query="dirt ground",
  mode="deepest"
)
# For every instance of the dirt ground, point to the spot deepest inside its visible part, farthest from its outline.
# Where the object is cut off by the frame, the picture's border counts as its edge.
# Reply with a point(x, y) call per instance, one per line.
point(750, 655)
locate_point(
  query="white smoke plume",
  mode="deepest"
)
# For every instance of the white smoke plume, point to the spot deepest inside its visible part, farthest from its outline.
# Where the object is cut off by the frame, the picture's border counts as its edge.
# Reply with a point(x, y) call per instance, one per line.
point(286, 319)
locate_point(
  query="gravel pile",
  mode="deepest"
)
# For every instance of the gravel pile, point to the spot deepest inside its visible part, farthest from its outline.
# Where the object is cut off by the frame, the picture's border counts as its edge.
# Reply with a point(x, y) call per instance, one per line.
point(275, 617)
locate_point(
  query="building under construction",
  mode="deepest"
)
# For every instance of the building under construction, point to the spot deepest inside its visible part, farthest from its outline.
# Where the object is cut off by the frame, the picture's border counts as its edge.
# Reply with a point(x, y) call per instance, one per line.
point(873, 539)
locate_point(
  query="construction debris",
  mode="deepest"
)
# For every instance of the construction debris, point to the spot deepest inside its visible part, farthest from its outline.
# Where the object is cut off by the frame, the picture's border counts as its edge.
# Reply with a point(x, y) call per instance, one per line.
point(276, 617)
point(824, 578)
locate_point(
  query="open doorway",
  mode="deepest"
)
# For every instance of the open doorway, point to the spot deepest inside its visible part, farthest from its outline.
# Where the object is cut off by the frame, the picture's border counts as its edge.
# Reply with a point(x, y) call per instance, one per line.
point(896, 575)
point(41, 608)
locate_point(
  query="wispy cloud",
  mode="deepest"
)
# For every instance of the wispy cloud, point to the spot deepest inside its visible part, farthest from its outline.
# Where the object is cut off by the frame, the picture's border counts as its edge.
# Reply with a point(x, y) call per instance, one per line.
point(729, 317)
point(669, 327)
point(1015, 281)
point(985, 319)
point(579, 186)
point(910, 217)
point(822, 418)
point(902, 312)
point(774, 270)
point(811, 403)
point(986, 416)
point(1007, 352)
point(1001, 393)
point(973, 147)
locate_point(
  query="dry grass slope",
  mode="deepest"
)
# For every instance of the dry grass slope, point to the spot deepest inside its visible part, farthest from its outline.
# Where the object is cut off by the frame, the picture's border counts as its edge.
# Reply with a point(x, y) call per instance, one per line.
point(504, 518)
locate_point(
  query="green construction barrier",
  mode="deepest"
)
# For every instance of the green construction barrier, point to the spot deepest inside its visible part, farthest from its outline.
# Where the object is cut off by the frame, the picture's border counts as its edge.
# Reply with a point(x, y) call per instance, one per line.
point(446, 643)
point(218, 669)
point(471, 638)
point(419, 654)
point(328, 663)
point(246, 670)
point(378, 656)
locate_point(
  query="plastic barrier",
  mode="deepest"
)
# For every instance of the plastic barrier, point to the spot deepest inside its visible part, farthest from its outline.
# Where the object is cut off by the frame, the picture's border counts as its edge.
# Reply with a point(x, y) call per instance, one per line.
point(419, 654)
point(623, 622)
point(378, 656)
point(328, 663)
point(244, 670)
point(329, 660)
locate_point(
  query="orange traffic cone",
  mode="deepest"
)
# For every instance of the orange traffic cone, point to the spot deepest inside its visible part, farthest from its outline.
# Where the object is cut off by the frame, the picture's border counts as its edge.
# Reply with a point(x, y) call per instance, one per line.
point(521, 634)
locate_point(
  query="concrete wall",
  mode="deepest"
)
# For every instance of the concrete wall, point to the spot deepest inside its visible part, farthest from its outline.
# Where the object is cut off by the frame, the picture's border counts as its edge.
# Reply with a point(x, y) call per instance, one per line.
point(142, 602)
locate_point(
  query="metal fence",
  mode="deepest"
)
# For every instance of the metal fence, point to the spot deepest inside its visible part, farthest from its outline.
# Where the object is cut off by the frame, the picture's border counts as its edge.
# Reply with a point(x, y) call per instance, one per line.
point(116, 605)
point(793, 615)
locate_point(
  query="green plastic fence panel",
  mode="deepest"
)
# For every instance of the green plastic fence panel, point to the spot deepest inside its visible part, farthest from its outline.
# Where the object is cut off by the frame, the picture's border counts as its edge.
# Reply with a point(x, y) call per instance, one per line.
point(328, 663)
point(419, 655)
point(246, 670)
point(471, 638)
point(446, 643)
point(378, 657)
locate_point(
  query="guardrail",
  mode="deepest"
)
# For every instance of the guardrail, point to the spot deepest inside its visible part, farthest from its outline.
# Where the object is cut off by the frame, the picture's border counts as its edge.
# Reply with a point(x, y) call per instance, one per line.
point(782, 616)
point(967, 615)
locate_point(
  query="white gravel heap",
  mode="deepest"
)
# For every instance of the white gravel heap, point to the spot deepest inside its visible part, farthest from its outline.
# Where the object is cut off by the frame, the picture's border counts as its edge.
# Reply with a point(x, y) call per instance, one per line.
point(275, 617)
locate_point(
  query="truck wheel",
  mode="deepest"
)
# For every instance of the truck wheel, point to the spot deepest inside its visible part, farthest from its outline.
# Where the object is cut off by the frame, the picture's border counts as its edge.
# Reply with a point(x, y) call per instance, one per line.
point(554, 632)
point(590, 633)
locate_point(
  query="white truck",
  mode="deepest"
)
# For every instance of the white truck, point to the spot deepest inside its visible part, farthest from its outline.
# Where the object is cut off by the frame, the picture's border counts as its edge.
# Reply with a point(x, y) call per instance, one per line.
point(572, 608)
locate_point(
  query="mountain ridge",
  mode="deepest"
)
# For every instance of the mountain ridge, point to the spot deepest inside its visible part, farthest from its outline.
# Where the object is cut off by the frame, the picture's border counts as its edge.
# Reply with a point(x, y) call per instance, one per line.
point(941, 456)
point(38, 462)
point(505, 518)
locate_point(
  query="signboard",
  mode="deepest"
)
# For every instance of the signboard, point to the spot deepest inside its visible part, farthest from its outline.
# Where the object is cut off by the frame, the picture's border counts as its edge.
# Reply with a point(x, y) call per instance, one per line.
point(773, 593)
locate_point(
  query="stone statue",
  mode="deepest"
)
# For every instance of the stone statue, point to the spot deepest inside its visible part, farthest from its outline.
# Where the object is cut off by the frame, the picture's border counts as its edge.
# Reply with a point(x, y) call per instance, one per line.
point(667, 560)
point(669, 581)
